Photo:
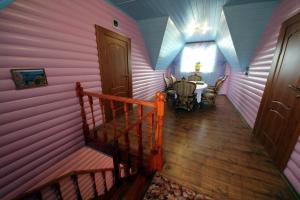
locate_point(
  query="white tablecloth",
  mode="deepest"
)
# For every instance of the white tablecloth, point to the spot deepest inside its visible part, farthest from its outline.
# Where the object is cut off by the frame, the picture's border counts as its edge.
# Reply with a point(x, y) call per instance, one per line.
point(199, 90)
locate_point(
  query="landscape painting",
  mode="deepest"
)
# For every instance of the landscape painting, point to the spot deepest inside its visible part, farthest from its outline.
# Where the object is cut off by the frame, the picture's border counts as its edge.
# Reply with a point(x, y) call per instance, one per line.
point(29, 78)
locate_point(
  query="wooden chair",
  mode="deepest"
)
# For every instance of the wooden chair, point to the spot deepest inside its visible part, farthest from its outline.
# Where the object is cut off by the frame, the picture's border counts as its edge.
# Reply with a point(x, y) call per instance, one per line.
point(194, 77)
point(186, 97)
point(169, 88)
point(212, 88)
point(210, 94)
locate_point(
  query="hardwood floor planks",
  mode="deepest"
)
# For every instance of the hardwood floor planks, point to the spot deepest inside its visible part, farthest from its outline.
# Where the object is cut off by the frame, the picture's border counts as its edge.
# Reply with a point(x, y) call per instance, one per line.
point(212, 150)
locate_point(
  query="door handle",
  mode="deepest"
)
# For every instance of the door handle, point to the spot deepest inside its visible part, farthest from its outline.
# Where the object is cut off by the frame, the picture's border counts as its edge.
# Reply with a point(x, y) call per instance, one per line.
point(294, 88)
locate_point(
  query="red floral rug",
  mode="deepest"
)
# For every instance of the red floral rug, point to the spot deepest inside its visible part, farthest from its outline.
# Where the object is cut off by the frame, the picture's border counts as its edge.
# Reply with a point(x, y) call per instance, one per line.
point(162, 188)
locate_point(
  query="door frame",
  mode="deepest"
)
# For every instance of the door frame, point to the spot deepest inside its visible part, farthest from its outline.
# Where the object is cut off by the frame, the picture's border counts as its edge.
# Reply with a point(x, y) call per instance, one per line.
point(290, 145)
point(100, 32)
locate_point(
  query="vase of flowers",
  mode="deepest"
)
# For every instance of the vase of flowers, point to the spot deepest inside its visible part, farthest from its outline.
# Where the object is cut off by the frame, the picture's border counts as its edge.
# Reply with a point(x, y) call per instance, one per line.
point(197, 67)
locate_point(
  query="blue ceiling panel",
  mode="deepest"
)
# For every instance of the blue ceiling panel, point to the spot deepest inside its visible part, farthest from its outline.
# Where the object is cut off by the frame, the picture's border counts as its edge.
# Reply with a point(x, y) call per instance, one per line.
point(184, 13)
point(236, 31)
point(246, 23)
point(153, 31)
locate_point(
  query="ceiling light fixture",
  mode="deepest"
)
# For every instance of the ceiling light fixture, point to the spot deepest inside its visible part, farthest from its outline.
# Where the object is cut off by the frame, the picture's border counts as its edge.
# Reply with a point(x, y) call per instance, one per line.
point(195, 27)
point(203, 29)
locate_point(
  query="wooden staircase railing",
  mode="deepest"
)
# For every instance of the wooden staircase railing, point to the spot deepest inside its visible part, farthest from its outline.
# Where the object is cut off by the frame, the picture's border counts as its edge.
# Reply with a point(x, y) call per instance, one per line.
point(55, 185)
point(122, 124)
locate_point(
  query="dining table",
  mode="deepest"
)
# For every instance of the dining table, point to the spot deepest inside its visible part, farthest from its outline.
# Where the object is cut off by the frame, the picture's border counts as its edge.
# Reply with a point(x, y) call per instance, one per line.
point(201, 86)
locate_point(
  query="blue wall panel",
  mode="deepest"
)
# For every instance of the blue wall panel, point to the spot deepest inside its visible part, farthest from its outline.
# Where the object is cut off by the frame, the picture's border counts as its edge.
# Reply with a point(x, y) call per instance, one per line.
point(172, 44)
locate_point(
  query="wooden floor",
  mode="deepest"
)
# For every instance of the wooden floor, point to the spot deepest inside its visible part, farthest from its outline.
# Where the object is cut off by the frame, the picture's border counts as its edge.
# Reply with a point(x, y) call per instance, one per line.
point(212, 151)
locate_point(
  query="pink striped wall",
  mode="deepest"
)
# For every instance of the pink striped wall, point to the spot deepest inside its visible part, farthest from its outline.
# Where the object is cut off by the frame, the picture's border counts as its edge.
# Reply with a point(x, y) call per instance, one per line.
point(39, 127)
point(246, 92)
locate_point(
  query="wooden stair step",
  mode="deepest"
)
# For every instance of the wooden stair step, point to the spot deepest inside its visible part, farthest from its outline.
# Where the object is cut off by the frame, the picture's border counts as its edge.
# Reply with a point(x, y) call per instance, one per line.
point(139, 187)
point(118, 192)
point(131, 188)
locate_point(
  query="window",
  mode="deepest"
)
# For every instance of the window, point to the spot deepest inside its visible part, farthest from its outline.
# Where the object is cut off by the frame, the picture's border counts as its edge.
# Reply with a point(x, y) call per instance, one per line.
point(204, 52)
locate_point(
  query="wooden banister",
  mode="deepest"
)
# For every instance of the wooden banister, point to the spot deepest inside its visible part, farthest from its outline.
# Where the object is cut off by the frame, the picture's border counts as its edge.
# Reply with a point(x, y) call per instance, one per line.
point(121, 99)
point(155, 118)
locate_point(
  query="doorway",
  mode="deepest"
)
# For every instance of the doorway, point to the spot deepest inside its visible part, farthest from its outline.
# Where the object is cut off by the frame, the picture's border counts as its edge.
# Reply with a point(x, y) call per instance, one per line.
point(278, 121)
point(114, 52)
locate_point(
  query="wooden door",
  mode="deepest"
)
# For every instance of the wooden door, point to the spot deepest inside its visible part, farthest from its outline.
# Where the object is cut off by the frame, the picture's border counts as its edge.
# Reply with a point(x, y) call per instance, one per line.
point(277, 124)
point(114, 52)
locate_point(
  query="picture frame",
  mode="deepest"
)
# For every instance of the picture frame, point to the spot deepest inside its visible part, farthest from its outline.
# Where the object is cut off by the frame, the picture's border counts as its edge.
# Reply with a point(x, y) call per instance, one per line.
point(29, 78)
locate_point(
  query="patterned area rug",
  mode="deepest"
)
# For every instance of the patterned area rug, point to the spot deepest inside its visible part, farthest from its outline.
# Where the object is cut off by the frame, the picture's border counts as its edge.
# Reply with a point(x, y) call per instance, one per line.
point(162, 188)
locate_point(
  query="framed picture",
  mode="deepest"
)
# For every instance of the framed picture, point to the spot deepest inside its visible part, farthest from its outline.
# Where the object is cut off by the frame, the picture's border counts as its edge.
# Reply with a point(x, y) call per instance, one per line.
point(29, 78)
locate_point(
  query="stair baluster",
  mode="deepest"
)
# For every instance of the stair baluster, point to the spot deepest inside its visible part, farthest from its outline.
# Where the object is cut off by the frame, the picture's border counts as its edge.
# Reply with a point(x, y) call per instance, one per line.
point(91, 102)
point(116, 160)
point(114, 114)
point(94, 185)
point(101, 103)
point(104, 182)
point(56, 188)
point(85, 126)
point(160, 103)
point(140, 137)
point(151, 121)
point(74, 178)
point(127, 142)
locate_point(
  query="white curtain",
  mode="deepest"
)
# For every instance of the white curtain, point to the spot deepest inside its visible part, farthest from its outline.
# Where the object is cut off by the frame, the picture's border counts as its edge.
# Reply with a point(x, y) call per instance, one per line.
point(204, 52)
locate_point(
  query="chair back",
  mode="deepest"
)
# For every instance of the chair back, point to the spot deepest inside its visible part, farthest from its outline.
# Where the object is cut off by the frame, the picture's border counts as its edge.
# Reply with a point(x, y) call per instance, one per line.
point(168, 82)
point(173, 78)
point(185, 94)
point(220, 82)
point(184, 88)
point(194, 77)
